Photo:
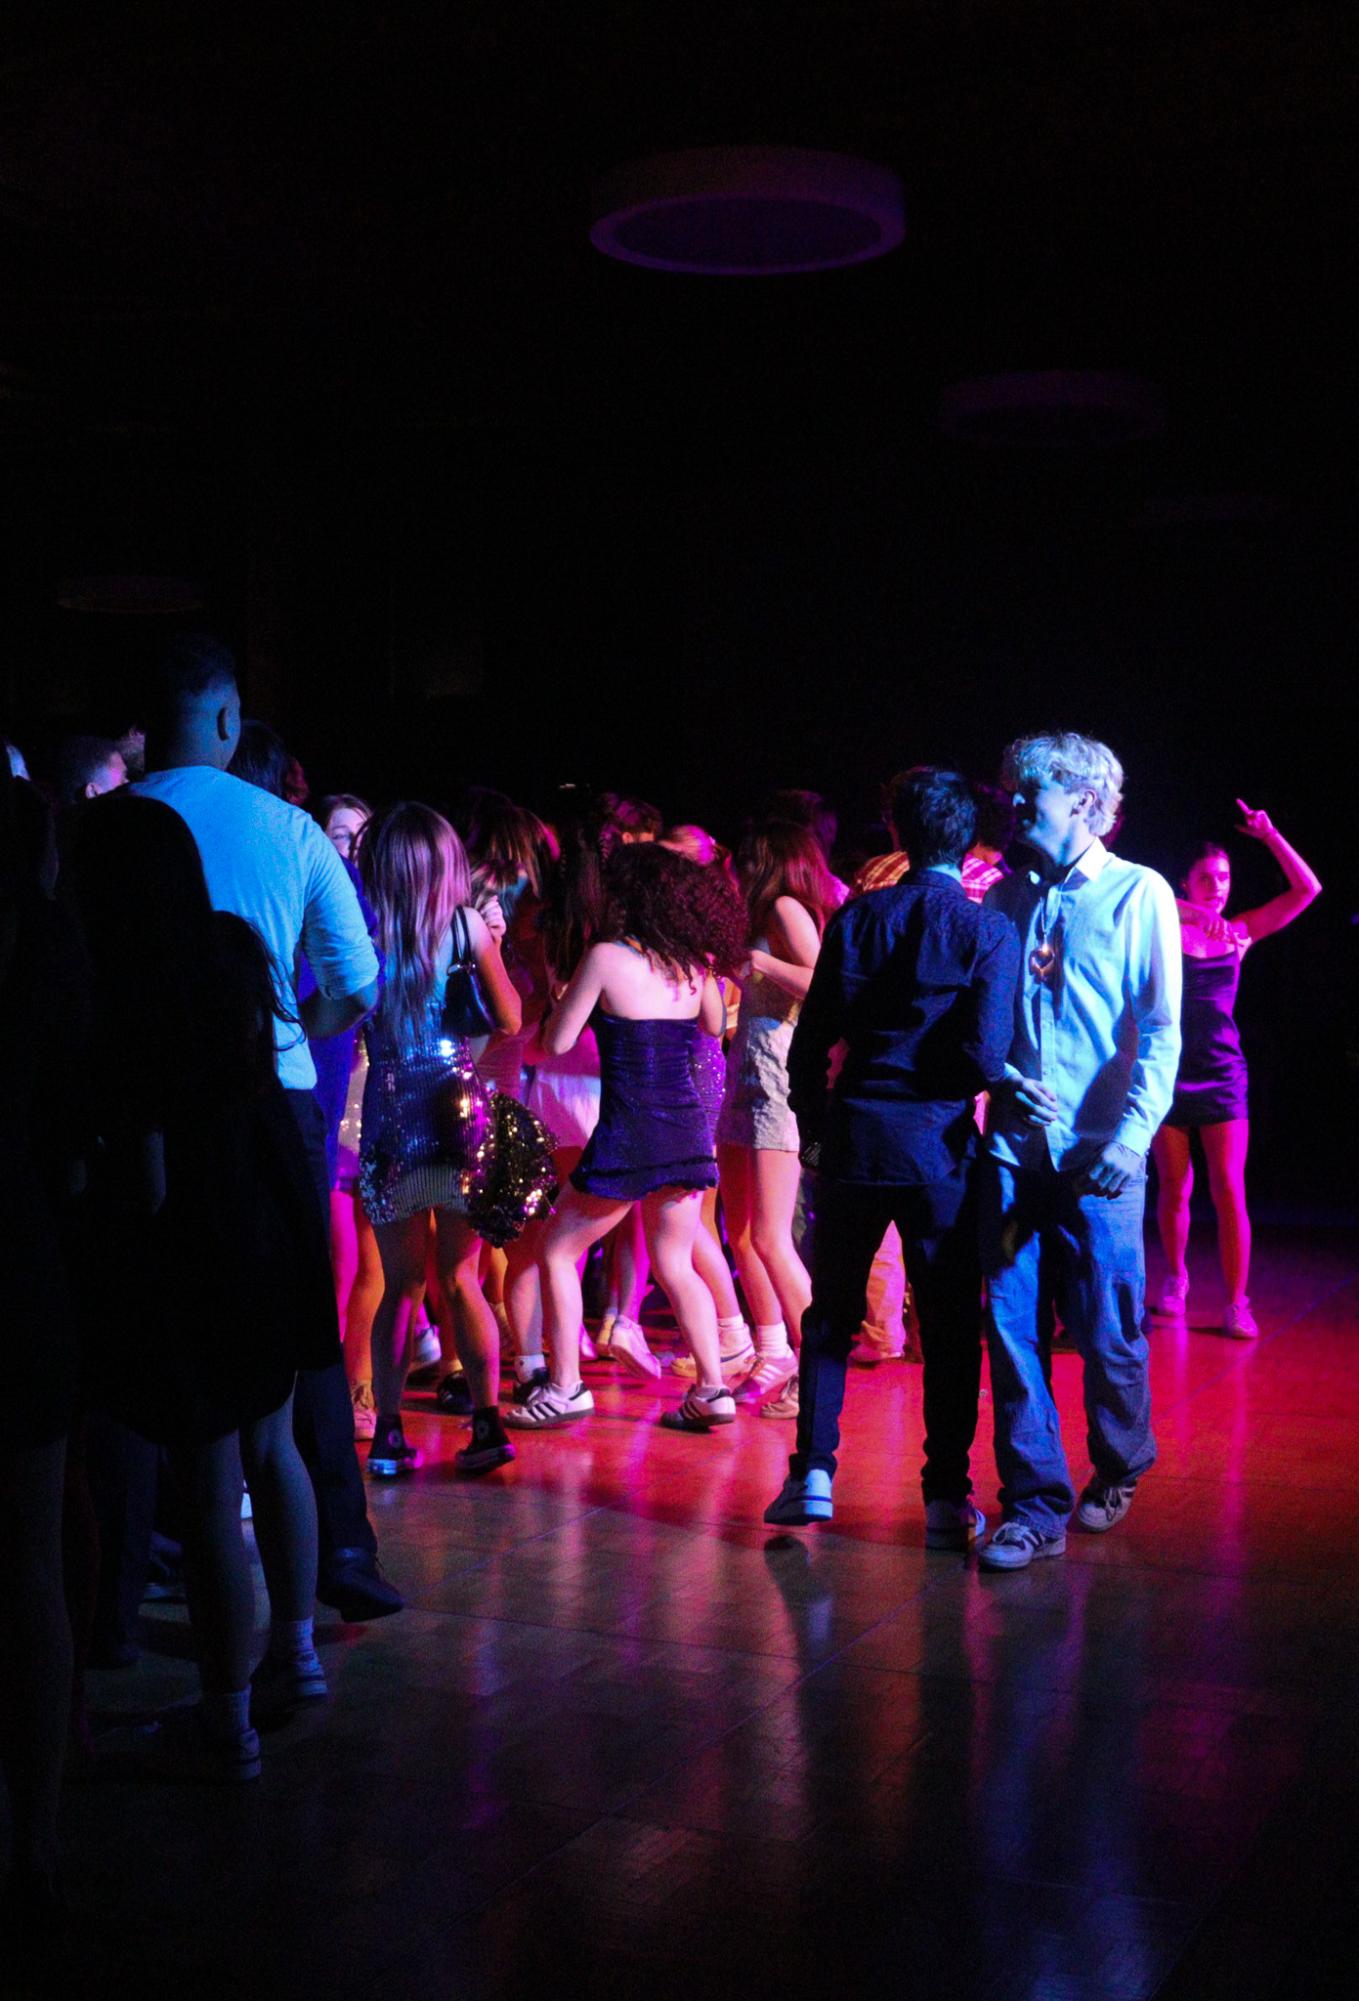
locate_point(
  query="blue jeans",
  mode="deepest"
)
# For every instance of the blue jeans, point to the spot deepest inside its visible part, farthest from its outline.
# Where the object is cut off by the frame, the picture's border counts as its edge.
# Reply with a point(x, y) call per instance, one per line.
point(1094, 1250)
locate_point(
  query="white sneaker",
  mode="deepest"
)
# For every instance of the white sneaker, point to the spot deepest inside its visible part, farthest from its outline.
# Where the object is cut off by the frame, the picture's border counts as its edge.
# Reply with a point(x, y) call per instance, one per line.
point(545, 1407)
point(701, 1410)
point(1173, 1300)
point(771, 1372)
point(628, 1345)
point(425, 1349)
point(1239, 1323)
point(736, 1366)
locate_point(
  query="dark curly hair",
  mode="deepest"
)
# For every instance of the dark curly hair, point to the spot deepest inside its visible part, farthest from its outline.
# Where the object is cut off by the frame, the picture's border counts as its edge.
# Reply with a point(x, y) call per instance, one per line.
point(683, 916)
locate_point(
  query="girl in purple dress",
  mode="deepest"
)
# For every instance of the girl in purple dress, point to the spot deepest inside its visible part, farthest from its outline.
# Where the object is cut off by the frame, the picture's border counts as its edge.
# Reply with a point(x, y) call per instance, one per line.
point(648, 989)
point(1210, 1091)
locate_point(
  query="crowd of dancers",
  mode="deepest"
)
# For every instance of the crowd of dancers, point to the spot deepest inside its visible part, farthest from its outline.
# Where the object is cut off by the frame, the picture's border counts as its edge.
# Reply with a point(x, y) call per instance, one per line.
point(296, 1102)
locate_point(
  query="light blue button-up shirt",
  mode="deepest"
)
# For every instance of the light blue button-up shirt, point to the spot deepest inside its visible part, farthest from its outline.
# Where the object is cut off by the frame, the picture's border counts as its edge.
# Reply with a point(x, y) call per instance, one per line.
point(1103, 1030)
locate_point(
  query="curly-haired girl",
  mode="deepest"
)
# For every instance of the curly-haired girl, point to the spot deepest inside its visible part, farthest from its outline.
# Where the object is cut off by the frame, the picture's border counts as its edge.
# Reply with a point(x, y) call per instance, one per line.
point(647, 987)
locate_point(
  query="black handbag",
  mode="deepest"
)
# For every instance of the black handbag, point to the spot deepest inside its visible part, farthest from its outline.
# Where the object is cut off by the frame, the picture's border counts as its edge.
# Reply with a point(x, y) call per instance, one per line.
point(465, 1009)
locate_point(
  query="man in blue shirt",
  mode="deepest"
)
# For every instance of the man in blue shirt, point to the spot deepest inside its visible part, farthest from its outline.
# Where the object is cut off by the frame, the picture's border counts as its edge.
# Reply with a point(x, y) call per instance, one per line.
point(1090, 1078)
point(918, 983)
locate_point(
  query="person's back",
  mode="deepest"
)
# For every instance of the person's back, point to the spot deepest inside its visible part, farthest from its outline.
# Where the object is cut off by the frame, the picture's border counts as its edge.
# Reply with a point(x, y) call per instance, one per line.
point(267, 862)
point(270, 863)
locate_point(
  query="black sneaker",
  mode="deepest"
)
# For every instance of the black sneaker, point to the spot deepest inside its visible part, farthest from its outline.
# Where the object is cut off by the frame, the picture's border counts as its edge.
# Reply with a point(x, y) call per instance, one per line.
point(523, 1391)
point(389, 1456)
point(489, 1445)
point(453, 1396)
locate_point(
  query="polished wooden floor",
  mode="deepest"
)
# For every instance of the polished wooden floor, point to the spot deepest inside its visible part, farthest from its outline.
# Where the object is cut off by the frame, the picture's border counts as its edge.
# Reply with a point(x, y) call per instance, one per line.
point(626, 1741)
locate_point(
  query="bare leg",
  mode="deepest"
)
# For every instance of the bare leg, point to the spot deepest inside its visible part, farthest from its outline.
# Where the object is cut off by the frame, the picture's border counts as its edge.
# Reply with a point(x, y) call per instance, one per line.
point(363, 1299)
point(459, 1254)
point(776, 1178)
point(628, 1267)
point(216, 1568)
point(673, 1217)
point(736, 1167)
point(713, 1269)
point(344, 1250)
point(35, 1690)
point(523, 1283)
point(1225, 1147)
point(579, 1221)
point(402, 1248)
point(1174, 1186)
point(284, 1512)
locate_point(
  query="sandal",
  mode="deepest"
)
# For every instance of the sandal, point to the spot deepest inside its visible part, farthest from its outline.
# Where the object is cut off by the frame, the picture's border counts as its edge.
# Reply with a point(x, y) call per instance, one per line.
point(548, 1406)
point(701, 1410)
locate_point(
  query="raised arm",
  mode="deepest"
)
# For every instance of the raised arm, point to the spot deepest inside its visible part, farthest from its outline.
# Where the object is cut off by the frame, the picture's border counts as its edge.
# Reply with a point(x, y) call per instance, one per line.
point(502, 996)
point(1304, 885)
point(793, 931)
point(561, 1030)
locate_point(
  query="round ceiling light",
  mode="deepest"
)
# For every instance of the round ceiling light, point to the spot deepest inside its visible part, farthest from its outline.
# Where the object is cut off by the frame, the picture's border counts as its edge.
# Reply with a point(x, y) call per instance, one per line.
point(748, 212)
point(1061, 407)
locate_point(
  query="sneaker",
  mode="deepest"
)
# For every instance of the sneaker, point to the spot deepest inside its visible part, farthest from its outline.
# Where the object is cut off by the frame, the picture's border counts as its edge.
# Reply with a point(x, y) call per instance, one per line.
point(736, 1366)
point(365, 1410)
point(1015, 1545)
point(488, 1447)
point(953, 1524)
point(785, 1404)
point(453, 1396)
point(389, 1455)
point(1239, 1323)
point(425, 1349)
point(178, 1746)
point(284, 1683)
point(803, 1498)
point(628, 1345)
point(770, 1373)
point(1104, 1504)
point(588, 1350)
point(1172, 1302)
point(545, 1407)
point(523, 1391)
point(700, 1410)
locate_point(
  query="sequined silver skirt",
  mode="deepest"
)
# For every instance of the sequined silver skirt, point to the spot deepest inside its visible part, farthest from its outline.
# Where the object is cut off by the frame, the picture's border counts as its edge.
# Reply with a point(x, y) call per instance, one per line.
point(426, 1119)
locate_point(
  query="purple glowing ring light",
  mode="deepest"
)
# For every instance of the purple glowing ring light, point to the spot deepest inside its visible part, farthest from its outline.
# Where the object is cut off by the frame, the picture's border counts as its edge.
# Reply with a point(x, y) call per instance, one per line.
point(1060, 407)
point(748, 212)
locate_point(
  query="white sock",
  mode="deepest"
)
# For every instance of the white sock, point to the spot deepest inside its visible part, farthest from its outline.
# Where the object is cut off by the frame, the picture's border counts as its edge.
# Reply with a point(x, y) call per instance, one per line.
point(771, 1340)
point(526, 1365)
point(732, 1334)
point(290, 1639)
point(226, 1714)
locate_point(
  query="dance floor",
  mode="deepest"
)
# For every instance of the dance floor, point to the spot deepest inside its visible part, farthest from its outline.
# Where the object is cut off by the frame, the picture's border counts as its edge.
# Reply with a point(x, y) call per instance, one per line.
point(627, 1741)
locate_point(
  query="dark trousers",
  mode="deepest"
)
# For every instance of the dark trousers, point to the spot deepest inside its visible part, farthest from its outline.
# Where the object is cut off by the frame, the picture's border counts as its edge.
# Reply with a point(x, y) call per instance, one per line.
point(323, 1416)
point(938, 1225)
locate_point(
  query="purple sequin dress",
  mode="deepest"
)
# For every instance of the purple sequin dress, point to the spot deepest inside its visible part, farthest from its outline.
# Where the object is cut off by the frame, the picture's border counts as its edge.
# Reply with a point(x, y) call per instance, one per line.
point(653, 1130)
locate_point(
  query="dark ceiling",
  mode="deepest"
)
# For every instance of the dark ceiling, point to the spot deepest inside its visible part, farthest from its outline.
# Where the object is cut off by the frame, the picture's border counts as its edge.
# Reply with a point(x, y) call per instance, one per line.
point(375, 219)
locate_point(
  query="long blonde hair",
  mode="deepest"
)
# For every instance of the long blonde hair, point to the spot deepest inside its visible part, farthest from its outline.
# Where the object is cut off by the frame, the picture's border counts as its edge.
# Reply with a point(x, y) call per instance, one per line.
point(416, 875)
